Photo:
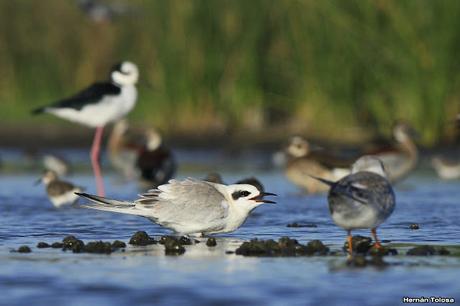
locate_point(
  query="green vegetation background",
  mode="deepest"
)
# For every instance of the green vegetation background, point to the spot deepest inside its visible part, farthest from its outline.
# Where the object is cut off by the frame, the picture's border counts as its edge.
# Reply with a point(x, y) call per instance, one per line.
point(317, 67)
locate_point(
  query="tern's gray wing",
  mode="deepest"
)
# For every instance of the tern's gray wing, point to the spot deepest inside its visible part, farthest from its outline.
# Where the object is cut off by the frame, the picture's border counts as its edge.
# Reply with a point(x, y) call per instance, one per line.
point(184, 202)
point(368, 189)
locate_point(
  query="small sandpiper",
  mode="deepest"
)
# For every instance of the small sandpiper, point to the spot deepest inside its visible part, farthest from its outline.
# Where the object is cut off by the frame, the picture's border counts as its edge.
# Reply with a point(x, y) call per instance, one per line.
point(60, 193)
point(362, 200)
point(302, 163)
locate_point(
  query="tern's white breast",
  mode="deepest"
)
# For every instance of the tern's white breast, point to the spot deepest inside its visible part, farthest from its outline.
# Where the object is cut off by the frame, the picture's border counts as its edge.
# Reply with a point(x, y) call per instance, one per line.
point(108, 109)
point(366, 217)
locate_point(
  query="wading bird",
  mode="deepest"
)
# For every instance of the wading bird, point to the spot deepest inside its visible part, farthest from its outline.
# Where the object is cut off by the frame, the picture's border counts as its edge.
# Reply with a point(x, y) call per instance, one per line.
point(362, 200)
point(302, 162)
point(190, 206)
point(98, 105)
point(60, 193)
point(401, 157)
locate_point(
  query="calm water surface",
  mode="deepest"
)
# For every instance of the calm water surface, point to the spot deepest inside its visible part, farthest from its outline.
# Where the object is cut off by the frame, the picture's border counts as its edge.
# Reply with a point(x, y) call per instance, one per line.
point(208, 276)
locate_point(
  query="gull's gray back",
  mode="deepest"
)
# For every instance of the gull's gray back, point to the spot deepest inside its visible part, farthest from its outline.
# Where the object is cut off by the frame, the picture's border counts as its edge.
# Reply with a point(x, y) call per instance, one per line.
point(185, 202)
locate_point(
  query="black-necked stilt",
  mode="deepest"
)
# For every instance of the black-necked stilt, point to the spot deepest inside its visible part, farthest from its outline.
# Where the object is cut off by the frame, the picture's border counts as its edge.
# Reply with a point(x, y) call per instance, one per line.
point(401, 157)
point(190, 206)
point(98, 105)
point(301, 163)
point(363, 199)
point(60, 193)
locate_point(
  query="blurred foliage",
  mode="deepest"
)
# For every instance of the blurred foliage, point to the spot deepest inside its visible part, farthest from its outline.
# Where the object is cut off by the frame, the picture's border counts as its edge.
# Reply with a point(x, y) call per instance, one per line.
point(309, 66)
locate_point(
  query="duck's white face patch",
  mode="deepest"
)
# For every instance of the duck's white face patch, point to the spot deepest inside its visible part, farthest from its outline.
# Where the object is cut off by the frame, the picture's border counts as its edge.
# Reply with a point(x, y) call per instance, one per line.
point(298, 147)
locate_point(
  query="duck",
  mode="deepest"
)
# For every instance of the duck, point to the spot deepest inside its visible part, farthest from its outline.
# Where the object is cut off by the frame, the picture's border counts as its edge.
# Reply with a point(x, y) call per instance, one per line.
point(401, 157)
point(123, 149)
point(155, 161)
point(447, 168)
point(303, 161)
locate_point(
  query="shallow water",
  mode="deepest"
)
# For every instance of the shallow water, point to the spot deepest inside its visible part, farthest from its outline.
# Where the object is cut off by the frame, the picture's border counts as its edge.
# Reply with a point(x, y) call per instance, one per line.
point(208, 276)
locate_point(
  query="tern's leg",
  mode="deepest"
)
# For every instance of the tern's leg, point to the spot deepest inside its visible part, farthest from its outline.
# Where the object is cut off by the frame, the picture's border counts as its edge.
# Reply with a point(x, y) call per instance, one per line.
point(374, 236)
point(350, 246)
point(95, 154)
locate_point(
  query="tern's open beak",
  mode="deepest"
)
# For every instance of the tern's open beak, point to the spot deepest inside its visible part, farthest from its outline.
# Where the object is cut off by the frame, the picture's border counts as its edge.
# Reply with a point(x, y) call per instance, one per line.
point(260, 198)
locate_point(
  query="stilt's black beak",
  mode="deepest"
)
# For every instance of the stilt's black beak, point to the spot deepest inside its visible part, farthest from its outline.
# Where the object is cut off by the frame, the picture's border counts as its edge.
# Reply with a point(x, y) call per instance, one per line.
point(260, 198)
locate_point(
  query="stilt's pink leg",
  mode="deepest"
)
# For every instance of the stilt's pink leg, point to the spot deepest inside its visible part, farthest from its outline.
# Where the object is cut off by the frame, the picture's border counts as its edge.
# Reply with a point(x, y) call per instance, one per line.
point(95, 154)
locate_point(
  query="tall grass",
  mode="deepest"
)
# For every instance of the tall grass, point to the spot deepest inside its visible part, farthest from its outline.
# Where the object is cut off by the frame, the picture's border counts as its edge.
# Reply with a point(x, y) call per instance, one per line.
point(308, 66)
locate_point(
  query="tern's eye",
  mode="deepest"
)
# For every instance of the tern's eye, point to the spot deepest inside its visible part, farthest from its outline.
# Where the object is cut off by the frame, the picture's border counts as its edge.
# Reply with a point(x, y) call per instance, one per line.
point(240, 194)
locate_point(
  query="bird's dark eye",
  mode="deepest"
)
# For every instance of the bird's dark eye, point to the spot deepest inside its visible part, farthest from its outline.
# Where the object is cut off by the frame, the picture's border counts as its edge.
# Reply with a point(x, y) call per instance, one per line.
point(240, 194)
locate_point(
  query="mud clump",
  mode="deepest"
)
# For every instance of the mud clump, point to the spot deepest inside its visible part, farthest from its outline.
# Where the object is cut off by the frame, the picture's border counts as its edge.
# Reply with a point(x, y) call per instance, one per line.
point(285, 246)
point(73, 244)
point(117, 244)
point(173, 247)
point(414, 226)
point(364, 246)
point(57, 245)
point(43, 245)
point(316, 247)
point(382, 251)
point(24, 249)
point(211, 242)
point(141, 238)
point(98, 247)
point(295, 224)
point(427, 250)
point(360, 261)
point(183, 240)
point(361, 244)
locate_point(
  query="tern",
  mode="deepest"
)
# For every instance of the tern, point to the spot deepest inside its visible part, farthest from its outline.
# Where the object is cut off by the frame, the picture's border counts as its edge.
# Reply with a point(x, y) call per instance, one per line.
point(98, 105)
point(190, 206)
point(362, 200)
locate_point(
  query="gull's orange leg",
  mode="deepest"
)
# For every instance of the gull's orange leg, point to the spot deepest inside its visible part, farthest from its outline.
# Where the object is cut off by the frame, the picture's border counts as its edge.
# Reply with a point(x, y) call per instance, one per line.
point(95, 154)
point(350, 245)
point(377, 244)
